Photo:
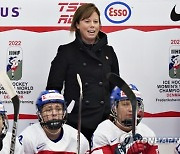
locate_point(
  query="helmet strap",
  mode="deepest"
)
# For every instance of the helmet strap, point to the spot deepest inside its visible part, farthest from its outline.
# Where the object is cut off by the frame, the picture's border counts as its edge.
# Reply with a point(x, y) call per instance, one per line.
point(52, 133)
point(53, 124)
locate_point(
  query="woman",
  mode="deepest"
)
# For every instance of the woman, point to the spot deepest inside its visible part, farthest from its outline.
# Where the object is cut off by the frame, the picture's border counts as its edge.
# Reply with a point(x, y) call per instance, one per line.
point(50, 134)
point(114, 135)
point(90, 57)
point(5, 136)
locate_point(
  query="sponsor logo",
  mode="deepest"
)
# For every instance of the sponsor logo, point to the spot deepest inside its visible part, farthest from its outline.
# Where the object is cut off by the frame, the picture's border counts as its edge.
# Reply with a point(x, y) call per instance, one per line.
point(117, 12)
point(6, 11)
point(174, 15)
point(67, 11)
point(40, 146)
point(174, 62)
point(14, 62)
point(113, 140)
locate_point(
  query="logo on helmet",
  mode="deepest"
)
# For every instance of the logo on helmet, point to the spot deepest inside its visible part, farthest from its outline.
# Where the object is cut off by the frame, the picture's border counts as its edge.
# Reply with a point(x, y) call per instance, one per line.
point(51, 96)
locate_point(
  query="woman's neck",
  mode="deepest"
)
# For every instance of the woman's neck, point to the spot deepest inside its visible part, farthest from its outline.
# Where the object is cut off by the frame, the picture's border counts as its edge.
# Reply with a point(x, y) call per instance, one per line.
point(52, 134)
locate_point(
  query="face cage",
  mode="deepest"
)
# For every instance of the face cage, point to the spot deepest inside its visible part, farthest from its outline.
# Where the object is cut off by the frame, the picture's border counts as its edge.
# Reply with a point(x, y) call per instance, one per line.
point(5, 126)
point(140, 112)
point(52, 124)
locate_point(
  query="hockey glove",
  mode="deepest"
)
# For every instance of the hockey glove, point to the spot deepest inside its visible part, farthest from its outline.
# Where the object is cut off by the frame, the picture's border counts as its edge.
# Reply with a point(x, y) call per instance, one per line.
point(137, 147)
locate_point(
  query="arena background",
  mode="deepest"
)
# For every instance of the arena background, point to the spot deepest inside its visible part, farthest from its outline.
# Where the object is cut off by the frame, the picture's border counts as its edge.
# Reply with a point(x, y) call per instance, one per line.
point(145, 35)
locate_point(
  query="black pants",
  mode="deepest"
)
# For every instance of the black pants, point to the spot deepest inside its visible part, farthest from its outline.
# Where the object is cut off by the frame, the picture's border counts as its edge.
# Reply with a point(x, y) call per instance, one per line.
point(88, 134)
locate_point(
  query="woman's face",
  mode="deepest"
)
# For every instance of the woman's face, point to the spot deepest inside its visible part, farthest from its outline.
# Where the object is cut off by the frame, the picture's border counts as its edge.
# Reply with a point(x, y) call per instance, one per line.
point(124, 110)
point(89, 28)
point(52, 111)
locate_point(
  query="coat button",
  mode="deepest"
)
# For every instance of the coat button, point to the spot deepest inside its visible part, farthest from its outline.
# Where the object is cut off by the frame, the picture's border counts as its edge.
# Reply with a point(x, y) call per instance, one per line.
point(84, 64)
point(101, 102)
point(87, 101)
point(100, 83)
point(100, 64)
point(86, 84)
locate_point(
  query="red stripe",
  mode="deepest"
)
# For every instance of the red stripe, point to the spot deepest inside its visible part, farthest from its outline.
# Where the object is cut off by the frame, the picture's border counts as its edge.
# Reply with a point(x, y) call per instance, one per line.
point(109, 149)
point(23, 116)
point(54, 152)
point(38, 29)
point(106, 29)
point(109, 29)
point(162, 114)
point(146, 115)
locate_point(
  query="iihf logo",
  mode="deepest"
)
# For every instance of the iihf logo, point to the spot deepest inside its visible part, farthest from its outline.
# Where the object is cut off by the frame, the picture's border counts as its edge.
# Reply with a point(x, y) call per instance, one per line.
point(14, 63)
point(174, 62)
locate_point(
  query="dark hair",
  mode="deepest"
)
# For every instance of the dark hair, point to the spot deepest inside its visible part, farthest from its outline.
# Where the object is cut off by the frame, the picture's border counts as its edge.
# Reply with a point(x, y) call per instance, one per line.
point(83, 12)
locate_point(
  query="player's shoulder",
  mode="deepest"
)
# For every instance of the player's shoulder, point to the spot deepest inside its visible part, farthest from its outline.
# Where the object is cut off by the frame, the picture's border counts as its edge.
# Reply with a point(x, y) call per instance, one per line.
point(106, 134)
point(72, 132)
point(32, 129)
point(7, 138)
point(8, 134)
point(145, 130)
point(105, 125)
point(144, 126)
point(68, 127)
point(106, 130)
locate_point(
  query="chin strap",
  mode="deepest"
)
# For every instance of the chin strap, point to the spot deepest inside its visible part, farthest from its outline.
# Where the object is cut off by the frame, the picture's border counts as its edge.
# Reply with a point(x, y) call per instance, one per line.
point(127, 122)
point(53, 124)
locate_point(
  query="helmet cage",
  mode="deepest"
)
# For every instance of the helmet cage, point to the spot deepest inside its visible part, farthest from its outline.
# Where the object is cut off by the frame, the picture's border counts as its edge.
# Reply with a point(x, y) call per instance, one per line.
point(52, 124)
point(118, 95)
point(128, 123)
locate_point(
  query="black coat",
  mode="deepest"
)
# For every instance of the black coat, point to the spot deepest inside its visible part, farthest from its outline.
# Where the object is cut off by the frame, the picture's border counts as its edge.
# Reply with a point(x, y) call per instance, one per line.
point(92, 62)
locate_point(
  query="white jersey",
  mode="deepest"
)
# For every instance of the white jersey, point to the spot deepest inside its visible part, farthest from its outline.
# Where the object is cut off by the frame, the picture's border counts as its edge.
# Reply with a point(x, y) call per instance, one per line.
point(107, 136)
point(35, 141)
point(7, 144)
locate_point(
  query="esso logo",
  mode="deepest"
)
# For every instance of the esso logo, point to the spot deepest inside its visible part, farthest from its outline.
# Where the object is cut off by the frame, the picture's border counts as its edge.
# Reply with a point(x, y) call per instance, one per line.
point(117, 12)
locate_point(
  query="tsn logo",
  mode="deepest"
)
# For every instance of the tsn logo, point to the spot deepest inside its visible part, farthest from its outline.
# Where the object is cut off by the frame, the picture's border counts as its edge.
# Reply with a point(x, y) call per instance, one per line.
point(6, 11)
point(67, 11)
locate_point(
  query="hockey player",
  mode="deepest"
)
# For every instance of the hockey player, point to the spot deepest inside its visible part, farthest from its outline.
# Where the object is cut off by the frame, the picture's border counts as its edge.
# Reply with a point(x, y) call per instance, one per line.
point(5, 136)
point(50, 134)
point(114, 136)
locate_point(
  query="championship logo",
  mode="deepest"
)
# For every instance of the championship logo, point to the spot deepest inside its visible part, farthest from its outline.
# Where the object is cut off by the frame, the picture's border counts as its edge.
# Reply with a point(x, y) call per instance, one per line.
point(14, 63)
point(174, 62)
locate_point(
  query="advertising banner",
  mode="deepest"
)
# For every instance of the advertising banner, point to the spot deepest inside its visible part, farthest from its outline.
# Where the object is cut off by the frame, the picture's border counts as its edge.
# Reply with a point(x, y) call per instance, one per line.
point(144, 34)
